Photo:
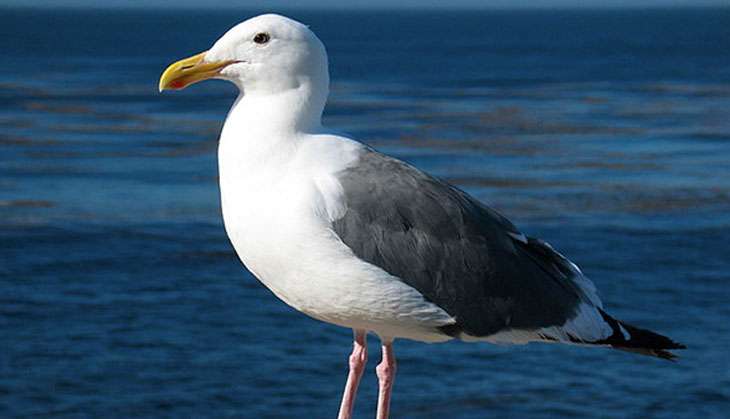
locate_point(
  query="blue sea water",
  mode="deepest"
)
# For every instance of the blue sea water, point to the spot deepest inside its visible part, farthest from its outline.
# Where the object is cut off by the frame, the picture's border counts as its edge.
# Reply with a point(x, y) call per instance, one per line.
point(605, 133)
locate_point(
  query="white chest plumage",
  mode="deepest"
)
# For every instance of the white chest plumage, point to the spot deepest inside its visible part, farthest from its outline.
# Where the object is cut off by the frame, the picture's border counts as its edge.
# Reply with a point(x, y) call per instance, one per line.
point(279, 196)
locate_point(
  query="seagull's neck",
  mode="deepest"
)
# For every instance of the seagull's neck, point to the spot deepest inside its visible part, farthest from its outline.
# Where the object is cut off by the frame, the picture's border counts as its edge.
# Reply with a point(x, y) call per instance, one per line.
point(264, 129)
point(298, 109)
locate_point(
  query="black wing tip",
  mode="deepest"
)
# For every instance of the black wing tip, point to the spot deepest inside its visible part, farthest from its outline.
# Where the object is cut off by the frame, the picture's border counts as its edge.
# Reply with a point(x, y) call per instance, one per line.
point(662, 351)
point(653, 352)
point(641, 341)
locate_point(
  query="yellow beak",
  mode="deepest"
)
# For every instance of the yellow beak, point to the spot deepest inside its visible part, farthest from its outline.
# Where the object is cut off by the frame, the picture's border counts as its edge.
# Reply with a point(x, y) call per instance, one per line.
point(190, 70)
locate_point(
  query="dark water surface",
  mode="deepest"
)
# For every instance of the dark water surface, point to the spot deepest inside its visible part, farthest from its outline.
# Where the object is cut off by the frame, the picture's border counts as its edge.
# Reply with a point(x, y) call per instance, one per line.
point(606, 133)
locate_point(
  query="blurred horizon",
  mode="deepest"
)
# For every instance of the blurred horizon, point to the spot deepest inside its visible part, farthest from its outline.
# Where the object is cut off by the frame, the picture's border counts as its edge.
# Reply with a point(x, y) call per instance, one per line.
point(368, 5)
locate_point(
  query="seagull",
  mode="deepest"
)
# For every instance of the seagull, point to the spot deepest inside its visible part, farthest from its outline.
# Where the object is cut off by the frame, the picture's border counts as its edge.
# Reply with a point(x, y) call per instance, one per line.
point(359, 239)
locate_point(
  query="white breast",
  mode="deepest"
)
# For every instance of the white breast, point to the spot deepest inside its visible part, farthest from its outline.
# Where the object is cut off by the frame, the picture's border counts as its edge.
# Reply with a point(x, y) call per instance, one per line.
point(278, 200)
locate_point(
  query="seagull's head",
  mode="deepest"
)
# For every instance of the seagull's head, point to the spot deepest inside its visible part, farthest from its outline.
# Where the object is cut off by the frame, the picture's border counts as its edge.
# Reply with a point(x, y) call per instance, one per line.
point(264, 55)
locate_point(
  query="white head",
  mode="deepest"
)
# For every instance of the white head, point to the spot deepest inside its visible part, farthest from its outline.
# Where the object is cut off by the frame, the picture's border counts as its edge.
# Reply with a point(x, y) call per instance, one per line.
point(268, 55)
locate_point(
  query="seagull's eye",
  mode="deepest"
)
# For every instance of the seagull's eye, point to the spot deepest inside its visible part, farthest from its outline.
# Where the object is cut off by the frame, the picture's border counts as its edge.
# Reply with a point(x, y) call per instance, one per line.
point(261, 38)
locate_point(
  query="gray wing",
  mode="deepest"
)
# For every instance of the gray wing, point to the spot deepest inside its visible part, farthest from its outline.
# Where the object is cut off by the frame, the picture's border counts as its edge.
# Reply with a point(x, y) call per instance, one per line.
point(460, 254)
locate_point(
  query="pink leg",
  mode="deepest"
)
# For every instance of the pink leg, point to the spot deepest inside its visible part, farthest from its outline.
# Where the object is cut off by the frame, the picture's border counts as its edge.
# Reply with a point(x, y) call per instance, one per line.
point(358, 359)
point(386, 378)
